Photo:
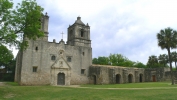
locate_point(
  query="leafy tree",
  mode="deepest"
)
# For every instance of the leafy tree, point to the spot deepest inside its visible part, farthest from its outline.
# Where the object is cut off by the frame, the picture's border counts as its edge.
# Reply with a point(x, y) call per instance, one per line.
point(10, 66)
point(139, 65)
point(5, 55)
point(103, 60)
point(116, 59)
point(128, 63)
point(152, 62)
point(174, 57)
point(120, 60)
point(95, 61)
point(167, 39)
point(6, 35)
point(163, 59)
point(22, 22)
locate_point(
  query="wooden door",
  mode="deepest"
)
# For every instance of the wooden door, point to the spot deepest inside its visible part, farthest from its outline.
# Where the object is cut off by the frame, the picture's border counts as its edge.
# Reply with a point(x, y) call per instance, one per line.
point(153, 78)
point(61, 79)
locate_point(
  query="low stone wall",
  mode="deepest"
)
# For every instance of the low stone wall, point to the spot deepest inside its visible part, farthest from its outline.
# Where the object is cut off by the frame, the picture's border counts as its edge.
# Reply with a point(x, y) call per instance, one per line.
point(105, 74)
point(155, 74)
point(168, 75)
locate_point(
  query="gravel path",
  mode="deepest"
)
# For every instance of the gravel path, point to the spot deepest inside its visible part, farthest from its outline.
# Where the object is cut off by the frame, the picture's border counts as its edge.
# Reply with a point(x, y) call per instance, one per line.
point(78, 86)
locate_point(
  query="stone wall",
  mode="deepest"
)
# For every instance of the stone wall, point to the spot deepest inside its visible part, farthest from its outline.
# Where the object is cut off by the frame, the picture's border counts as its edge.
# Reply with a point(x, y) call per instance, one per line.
point(168, 75)
point(106, 74)
point(155, 74)
point(18, 67)
point(41, 59)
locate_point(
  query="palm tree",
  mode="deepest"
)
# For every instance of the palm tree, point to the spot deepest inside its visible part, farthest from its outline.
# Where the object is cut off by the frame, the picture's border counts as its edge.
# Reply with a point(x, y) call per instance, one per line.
point(174, 57)
point(153, 61)
point(163, 59)
point(167, 39)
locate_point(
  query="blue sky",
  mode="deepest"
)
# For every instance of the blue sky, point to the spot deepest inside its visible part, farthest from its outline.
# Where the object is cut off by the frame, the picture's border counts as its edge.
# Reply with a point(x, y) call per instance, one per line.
point(126, 27)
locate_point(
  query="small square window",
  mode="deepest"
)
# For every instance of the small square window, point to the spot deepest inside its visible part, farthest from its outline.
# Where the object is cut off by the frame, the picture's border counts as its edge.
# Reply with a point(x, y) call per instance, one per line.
point(69, 59)
point(82, 71)
point(53, 57)
point(35, 69)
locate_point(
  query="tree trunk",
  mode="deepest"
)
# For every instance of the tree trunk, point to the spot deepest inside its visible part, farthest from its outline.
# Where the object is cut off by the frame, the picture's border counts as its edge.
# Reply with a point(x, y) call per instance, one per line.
point(175, 65)
point(171, 70)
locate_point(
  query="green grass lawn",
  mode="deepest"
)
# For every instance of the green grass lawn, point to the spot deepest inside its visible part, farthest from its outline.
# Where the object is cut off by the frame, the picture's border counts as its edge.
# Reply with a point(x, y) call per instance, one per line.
point(148, 91)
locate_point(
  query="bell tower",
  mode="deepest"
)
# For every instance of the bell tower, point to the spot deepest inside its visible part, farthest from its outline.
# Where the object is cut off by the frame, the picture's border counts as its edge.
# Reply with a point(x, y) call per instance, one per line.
point(44, 25)
point(79, 34)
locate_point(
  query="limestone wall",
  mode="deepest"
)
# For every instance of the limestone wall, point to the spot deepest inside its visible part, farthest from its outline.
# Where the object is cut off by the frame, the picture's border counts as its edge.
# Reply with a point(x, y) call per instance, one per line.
point(106, 74)
point(168, 75)
point(41, 58)
point(155, 74)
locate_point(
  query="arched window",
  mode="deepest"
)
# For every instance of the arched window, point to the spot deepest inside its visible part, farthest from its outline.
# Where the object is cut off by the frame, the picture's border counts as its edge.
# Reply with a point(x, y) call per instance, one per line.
point(36, 48)
point(82, 33)
point(53, 57)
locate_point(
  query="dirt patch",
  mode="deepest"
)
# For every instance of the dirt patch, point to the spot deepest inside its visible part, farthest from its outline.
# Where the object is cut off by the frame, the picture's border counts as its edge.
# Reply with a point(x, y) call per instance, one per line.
point(76, 86)
point(2, 84)
point(9, 95)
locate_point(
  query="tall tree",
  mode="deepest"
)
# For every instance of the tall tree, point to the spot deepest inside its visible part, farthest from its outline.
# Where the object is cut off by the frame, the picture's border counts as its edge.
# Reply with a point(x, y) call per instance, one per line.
point(174, 57)
point(22, 22)
point(167, 39)
point(163, 59)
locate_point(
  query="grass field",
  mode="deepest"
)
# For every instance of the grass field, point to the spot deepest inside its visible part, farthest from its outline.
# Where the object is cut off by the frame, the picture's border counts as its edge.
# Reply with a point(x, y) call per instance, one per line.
point(133, 91)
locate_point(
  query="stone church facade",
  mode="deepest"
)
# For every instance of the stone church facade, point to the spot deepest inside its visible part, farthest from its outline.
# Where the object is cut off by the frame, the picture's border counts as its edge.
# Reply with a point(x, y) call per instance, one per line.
point(55, 63)
point(70, 63)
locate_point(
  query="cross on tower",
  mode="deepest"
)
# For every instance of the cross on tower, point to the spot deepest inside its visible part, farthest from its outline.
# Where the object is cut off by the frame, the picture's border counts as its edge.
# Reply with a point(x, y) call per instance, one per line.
point(62, 35)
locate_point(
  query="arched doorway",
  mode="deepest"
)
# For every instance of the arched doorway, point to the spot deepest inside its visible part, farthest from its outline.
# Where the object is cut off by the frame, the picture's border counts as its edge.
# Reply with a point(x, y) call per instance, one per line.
point(141, 78)
point(61, 79)
point(94, 79)
point(118, 77)
point(130, 78)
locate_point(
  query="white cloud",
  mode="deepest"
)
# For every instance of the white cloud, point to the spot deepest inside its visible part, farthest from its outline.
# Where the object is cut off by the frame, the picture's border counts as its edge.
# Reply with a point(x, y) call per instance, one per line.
point(117, 26)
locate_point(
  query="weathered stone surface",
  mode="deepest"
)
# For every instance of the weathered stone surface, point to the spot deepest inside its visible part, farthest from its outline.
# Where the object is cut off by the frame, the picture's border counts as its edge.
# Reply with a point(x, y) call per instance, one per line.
point(37, 66)
point(106, 74)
